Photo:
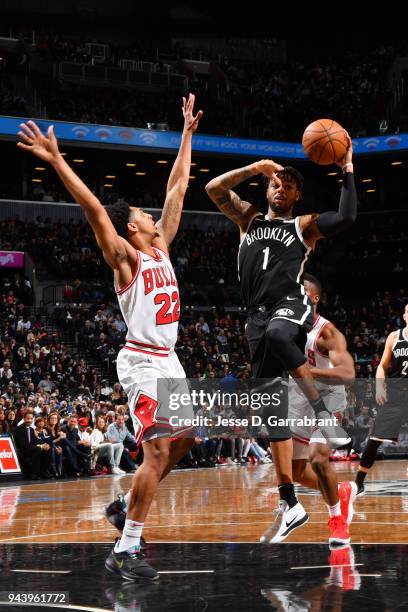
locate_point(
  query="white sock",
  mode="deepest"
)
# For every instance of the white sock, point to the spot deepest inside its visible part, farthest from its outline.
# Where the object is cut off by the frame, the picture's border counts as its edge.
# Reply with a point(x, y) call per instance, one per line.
point(130, 537)
point(334, 510)
point(127, 500)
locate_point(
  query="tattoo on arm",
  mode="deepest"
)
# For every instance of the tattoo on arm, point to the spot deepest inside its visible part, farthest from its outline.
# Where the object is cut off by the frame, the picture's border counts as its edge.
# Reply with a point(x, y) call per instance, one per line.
point(220, 192)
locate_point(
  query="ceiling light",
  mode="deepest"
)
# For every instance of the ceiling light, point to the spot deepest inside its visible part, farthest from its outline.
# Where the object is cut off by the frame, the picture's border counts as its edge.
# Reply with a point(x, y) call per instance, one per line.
point(204, 169)
point(397, 163)
point(332, 173)
point(108, 185)
point(254, 184)
point(39, 168)
point(367, 181)
point(140, 173)
point(110, 176)
point(371, 190)
point(192, 177)
point(36, 180)
point(78, 161)
point(162, 161)
point(130, 165)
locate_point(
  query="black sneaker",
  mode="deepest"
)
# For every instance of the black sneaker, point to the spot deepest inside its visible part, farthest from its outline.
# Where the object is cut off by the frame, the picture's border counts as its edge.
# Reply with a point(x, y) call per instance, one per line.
point(360, 490)
point(116, 515)
point(130, 566)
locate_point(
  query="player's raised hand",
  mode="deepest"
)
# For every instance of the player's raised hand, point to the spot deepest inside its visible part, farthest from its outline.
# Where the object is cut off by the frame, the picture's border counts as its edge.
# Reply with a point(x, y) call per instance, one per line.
point(348, 157)
point(268, 167)
point(33, 140)
point(190, 122)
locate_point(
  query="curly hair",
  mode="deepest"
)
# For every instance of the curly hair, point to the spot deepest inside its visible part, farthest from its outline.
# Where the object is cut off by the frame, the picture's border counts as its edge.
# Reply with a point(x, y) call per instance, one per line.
point(119, 215)
point(290, 172)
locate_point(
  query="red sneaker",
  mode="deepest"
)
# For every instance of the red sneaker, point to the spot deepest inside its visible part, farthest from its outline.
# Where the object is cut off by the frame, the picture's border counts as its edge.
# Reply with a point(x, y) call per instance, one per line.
point(339, 531)
point(347, 495)
point(343, 572)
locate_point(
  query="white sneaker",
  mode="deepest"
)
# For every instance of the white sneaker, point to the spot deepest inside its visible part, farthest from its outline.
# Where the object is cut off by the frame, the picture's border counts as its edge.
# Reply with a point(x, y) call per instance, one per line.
point(116, 470)
point(285, 520)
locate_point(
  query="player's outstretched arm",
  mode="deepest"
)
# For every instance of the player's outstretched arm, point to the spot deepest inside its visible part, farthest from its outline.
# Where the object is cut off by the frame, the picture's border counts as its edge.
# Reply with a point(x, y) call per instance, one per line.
point(220, 191)
point(330, 223)
point(381, 373)
point(179, 176)
point(334, 344)
point(46, 148)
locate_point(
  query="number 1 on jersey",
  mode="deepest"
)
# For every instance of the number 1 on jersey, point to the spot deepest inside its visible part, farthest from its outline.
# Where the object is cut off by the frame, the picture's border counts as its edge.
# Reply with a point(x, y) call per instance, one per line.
point(266, 257)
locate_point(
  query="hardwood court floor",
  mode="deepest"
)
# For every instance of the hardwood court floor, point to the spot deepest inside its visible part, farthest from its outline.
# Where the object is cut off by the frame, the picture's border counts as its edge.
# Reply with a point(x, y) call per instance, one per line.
point(227, 504)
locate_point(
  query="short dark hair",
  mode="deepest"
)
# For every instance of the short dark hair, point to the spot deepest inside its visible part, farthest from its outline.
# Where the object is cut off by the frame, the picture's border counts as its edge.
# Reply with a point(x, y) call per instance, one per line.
point(119, 215)
point(314, 280)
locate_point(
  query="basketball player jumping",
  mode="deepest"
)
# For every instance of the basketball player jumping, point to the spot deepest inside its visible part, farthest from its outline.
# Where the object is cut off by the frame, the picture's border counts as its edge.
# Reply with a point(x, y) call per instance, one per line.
point(331, 366)
point(272, 253)
point(137, 250)
point(391, 398)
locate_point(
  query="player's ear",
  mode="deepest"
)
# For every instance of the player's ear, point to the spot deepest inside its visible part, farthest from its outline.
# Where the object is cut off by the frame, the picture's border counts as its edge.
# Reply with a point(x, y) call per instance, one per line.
point(133, 227)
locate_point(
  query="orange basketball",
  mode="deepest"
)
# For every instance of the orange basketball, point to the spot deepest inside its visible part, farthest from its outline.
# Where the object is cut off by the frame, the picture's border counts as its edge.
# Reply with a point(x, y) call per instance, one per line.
point(325, 141)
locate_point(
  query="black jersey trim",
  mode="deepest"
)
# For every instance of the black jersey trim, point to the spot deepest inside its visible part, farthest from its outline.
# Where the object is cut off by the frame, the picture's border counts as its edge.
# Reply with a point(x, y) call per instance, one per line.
point(243, 238)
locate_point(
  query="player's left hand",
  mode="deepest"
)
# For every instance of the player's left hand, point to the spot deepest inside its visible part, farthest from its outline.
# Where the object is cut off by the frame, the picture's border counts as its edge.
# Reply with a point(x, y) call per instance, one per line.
point(190, 122)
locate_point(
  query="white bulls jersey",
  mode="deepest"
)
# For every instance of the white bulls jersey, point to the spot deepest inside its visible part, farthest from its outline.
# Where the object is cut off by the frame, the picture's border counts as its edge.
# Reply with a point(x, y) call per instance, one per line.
point(334, 396)
point(150, 305)
point(314, 357)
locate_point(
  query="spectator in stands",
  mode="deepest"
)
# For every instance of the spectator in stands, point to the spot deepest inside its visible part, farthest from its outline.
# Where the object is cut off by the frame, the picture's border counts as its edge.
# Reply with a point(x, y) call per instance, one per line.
point(118, 432)
point(104, 448)
point(11, 421)
point(85, 443)
point(3, 422)
point(31, 454)
point(58, 442)
point(44, 441)
point(6, 372)
point(77, 452)
point(106, 389)
point(47, 384)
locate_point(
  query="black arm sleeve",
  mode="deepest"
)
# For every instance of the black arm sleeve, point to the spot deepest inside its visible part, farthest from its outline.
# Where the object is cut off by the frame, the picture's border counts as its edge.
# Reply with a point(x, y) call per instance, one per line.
point(331, 223)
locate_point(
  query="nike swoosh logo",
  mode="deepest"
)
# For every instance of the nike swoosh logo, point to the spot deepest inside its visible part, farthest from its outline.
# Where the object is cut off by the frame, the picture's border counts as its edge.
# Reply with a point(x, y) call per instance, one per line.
point(289, 524)
point(290, 299)
point(119, 564)
point(149, 259)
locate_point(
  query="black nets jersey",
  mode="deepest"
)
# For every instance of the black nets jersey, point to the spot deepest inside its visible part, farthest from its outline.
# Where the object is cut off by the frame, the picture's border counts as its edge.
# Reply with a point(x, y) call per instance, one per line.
point(399, 361)
point(271, 259)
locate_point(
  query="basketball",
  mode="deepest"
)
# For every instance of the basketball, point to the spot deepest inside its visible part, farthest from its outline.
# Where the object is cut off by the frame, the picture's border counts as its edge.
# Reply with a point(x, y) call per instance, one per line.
point(325, 142)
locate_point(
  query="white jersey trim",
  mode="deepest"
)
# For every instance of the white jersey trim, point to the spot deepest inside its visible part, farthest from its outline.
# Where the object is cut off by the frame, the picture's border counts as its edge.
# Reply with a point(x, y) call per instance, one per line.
point(299, 233)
